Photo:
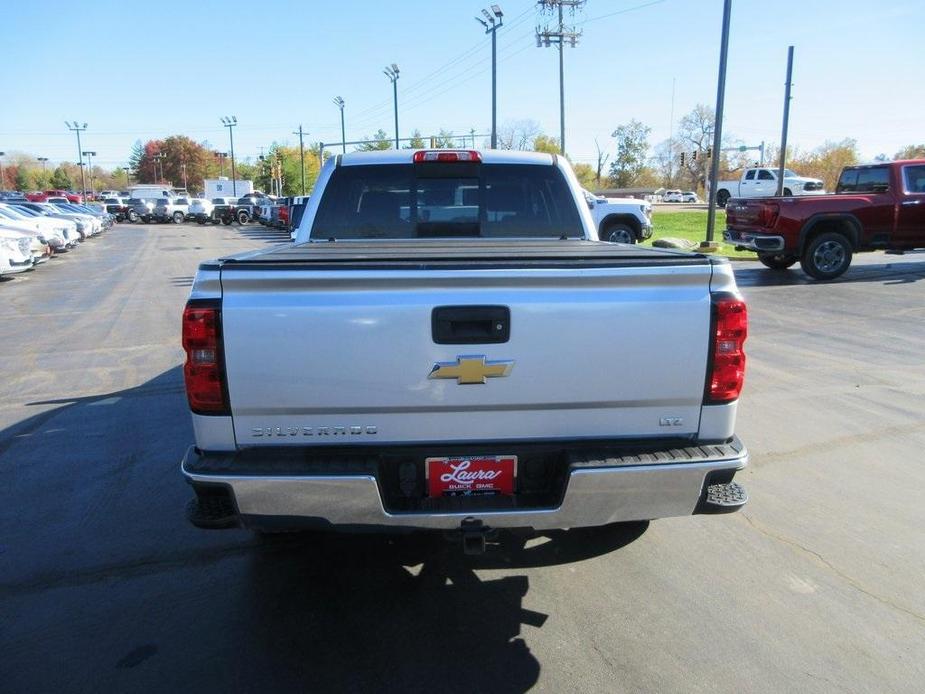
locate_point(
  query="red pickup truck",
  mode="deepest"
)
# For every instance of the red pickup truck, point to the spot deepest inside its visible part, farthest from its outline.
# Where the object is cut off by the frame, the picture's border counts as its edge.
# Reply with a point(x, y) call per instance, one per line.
point(877, 206)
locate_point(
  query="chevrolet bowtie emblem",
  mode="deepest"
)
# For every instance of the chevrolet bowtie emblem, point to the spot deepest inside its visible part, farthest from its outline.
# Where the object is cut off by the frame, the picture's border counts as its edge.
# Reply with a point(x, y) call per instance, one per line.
point(471, 369)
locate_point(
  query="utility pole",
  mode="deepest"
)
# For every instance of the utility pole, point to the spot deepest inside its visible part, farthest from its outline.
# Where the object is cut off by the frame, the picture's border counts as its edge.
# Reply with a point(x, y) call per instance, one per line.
point(391, 72)
point(89, 156)
point(301, 155)
point(718, 126)
point(786, 127)
point(231, 122)
point(562, 35)
point(74, 127)
point(492, 22)
point(343, 136)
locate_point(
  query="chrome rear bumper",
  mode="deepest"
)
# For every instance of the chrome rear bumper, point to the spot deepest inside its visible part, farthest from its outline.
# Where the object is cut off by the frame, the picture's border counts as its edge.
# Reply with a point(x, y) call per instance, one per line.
point(598, 491)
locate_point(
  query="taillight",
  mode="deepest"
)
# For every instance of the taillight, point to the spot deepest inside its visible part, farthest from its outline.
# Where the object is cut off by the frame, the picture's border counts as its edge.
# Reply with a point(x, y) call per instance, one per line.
point(726, 374)
point(204, 371)
point(432, 155)
point(767, 214)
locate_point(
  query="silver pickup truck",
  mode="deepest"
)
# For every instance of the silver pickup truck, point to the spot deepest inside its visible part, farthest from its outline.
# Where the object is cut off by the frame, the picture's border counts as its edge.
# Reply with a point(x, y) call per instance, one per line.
point(436, 352)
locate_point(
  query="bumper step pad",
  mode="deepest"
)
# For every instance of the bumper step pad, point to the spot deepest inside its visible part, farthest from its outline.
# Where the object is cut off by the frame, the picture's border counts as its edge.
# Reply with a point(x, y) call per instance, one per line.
point(724, 498)
point(212, 512)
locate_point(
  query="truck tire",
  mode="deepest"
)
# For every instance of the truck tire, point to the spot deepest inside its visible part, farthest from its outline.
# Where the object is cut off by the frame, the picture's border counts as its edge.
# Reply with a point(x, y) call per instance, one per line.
point(722, 197)
point(227, 220)
point(826, 256)
point(243, 217)
point(178, 218)
point(777, 261)
point(787, 192)
point(132, 216)
point(619, 233)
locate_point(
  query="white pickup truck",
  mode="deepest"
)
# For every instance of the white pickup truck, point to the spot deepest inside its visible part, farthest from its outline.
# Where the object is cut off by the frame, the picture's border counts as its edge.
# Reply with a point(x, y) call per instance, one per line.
point(436, 352)
point(762, 182)
point(620, 220)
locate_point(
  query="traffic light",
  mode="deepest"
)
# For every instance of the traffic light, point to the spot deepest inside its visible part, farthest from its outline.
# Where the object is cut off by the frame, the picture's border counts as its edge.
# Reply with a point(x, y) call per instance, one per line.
point(694, 155)
point(682, 158)
point(709, 152)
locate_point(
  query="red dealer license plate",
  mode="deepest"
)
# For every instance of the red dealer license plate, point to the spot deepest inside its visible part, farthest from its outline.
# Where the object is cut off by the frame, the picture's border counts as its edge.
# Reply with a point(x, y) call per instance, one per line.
point(487, 474)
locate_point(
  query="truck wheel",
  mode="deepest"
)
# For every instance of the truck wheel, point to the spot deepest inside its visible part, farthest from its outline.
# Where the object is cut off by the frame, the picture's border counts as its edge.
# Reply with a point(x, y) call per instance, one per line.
point(227, 220)
point(827, 256)
point(777, 261)
point(722, 197)
point(243, 217)
point(619, 233)
point(178, 218)
point(787, 192)
point(132, 216)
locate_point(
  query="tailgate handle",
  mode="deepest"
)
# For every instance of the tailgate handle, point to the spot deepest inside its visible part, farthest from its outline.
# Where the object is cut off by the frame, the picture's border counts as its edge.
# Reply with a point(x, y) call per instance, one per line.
point(471, 325)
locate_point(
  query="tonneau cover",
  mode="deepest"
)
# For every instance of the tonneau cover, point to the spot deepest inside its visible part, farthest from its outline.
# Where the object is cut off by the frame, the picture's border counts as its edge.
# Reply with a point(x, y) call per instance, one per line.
point(474, 252)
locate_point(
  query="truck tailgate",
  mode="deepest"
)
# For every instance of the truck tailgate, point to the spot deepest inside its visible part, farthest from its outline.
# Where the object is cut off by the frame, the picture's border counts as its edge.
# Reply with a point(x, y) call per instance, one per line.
point(343, 356)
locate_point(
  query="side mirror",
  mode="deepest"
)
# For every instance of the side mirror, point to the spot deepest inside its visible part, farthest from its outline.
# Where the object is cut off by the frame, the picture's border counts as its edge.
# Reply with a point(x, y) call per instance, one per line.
point(590, 203)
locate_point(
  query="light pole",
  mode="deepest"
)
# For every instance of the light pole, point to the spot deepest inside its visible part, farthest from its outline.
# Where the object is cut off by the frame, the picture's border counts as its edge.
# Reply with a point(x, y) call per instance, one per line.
point(343, 137)
point(231, 122)
point(786, 126)
point(43, 160)
point(221, 162)
point(301, 133)
point(183, 167)
point(89, 156)
point(2, 154)
point(491, 27)
point(126, 169)
point(718, 126)
point(159, 157)
point(392, 73)
point(75, 127)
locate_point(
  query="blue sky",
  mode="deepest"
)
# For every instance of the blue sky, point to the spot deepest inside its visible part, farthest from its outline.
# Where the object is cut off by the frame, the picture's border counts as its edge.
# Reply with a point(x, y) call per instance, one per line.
point(137, 71)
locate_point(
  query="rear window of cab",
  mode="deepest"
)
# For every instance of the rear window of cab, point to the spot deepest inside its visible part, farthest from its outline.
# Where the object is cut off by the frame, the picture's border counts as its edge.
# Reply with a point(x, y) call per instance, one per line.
point(407, 201)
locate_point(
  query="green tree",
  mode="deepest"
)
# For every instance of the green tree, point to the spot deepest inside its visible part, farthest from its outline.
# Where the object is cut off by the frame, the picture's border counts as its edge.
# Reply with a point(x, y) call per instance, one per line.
point(631, 155)
point(586, 175)
point(545, 143)
point(21, 179)
point(445, 139)
point(826, 161)
point(60, 179)
point(911, 152)
point(378, 142)
point(417, 141)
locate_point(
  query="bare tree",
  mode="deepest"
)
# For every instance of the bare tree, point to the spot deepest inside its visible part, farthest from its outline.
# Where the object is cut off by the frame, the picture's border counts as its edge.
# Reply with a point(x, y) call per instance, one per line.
point(602, 158)
point(518, 134)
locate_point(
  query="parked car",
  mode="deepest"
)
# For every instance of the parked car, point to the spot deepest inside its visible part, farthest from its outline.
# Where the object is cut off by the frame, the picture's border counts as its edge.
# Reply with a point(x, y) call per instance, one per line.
point(94, 223)
point(39, 249)
point(48, 231)
point(673, 196)
point(200, 210)
point(117, 207)
point(455, 381)
point(83, 223)
point(878, 206)
point(225, 209)
point(620, 220)
point(169, 210)
point(140, 209)
point(15, 252)
point(65, 227)
point(762, 182)
point(71, 197)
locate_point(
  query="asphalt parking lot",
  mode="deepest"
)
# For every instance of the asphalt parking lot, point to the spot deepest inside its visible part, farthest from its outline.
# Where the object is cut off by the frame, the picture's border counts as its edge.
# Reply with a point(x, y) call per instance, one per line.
point(817, 586)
